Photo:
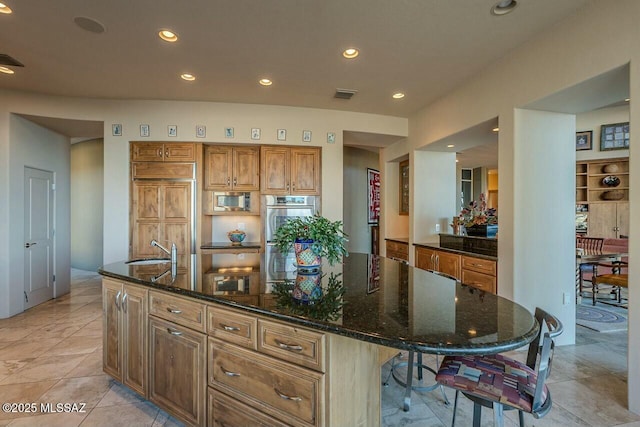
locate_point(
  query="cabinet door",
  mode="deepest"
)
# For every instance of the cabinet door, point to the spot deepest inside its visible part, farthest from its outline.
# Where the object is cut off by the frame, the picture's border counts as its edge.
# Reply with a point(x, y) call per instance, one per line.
point(180, 152)
point(623, 219)
point(305, 171)
point(218, 168)
point(425, 258)
point(134, 334)
point(448, 263)
point(246, 165)
point(111, 327)
point(274, 170)
point(226, 412)
point(147, 152)
point(177, 371)
point(602, 220)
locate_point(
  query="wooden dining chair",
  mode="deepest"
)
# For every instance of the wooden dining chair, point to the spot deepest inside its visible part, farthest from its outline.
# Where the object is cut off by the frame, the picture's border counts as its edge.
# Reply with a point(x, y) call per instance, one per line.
point(502, 383)
point(617, 280)
point(588, 245)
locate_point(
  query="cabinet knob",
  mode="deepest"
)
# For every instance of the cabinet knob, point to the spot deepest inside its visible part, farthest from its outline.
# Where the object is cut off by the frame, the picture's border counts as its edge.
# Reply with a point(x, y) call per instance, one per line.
point(159, 152)
point(166, 153)
point(117, 300)
point(229, 373)
point(285, 397)
point(174, 332)
point(174, 311)
point(290, 347)
point(235, 181)
point(229, 328)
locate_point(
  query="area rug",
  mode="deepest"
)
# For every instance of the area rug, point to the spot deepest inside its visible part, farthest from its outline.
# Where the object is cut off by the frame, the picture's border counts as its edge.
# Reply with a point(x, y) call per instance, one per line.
point(601, 319)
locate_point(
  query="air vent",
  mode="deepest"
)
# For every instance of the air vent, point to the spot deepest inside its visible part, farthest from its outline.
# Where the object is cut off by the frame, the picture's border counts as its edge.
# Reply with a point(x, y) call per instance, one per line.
point(7, 60)
point(345, 93)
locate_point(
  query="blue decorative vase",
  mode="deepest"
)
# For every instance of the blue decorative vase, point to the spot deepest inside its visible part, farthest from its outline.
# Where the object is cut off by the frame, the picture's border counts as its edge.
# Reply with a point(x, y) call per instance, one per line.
point(306, 258)
point(236, 237)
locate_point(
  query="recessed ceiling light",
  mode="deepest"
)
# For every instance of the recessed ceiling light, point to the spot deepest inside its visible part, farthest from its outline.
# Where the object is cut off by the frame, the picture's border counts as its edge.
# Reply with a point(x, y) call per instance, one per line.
point(5, 9)
point(6, 70)
point(398, 95)
point(450, 146)
point(496, 129)
point(265, 82)
point(503, 7)
point(168, 36)
point(188, 77)
point(351, 53)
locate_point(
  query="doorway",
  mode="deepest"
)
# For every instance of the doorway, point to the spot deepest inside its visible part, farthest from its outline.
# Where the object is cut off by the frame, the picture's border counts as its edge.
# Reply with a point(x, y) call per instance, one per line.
point(39, 229)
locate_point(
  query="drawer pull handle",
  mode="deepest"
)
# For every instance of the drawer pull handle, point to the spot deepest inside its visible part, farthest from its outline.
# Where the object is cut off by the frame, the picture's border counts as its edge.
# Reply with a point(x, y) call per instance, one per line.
point(285, 397)
point(229, 328)
point(174, 311)
point(229, 373)
point(289, 347)
point(174, 332)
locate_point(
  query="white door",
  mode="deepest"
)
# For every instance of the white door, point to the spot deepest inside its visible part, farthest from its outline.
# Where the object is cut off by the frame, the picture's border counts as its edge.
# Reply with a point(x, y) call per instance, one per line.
point(38, 236)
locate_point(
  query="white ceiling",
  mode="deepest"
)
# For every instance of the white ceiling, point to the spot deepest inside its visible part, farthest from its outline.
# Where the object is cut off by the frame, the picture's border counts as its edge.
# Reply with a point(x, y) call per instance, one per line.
point(424, 48)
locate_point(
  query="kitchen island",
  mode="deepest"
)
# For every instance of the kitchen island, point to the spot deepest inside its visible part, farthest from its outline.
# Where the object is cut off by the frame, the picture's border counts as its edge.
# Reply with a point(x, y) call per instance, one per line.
point(211, 357)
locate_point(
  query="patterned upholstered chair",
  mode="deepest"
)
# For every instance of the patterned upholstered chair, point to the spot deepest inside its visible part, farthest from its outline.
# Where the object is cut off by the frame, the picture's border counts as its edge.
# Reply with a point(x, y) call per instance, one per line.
point(502, 383)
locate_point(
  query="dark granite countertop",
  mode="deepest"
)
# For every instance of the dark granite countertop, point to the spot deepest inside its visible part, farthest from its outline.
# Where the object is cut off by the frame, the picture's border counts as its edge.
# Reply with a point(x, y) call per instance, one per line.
point(398, 239)
point(477, 254)
point(384, 302)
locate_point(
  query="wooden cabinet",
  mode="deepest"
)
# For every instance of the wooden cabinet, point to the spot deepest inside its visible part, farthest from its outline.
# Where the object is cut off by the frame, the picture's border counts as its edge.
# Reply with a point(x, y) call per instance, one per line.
point(591, 185)
point(225, 411)
point(290, 170)
point(230, 168)
point(124, 334)
point(440, 261)
point(163, 152)
point(160, 210)
point(397, 250)
point(608, 220)
point(479, 273)
point(177, 370)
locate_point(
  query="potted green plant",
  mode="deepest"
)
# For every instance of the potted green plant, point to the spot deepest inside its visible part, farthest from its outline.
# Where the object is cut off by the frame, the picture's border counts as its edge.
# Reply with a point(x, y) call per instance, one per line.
point(312, 237)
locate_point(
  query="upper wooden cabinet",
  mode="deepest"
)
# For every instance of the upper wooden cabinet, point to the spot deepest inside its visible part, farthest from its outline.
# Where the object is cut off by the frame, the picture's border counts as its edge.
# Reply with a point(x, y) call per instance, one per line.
point(290, 170)
point(231, 168)
point(163, 152)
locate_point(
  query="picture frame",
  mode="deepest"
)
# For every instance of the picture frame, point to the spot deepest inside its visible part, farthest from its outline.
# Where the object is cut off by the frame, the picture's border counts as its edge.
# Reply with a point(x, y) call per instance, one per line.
point(614, 136)
point(116, 129)
point(172, 130)
point(201, 131)
point(228, 132)
point(282, 135)
point(584, 140)
point(144, 131)
point(306, 136)
point(331, 138)
point(255, 133)
point(373, 195)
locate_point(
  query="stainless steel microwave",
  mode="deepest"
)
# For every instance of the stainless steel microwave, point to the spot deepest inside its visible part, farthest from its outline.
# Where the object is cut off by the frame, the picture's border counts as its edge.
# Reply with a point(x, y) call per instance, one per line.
point(231, 201)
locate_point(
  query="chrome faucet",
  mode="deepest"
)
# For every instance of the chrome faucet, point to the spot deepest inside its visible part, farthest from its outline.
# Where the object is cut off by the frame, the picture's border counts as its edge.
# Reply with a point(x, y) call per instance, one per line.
point(173, 253)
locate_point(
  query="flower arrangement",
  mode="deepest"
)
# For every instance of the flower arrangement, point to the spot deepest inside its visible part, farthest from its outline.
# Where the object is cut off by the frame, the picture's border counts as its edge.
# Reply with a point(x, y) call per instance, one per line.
point(478, 214)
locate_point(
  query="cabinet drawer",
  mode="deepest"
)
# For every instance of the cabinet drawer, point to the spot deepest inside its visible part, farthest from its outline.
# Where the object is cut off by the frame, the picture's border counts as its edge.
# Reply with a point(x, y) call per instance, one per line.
point(280, 389)
point(225, 411)
point(178, 310)
point(305, 348)
point(233, 327)
point(401, 249)
point(481, 281)
point(480, 265)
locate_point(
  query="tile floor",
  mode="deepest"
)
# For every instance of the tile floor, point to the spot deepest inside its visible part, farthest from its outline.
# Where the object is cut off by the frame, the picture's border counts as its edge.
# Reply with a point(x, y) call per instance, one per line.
point(53, 354)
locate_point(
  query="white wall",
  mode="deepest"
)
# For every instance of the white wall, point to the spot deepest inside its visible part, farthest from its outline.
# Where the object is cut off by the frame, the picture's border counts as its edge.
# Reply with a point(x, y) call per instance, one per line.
point(593, 120)
point(356, 162)
point(36, 147)
point(544, 233)
point(87, 196)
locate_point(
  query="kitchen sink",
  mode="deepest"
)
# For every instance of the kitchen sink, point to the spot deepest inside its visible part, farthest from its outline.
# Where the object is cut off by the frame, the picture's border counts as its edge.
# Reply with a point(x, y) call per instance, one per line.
point(147, 261)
